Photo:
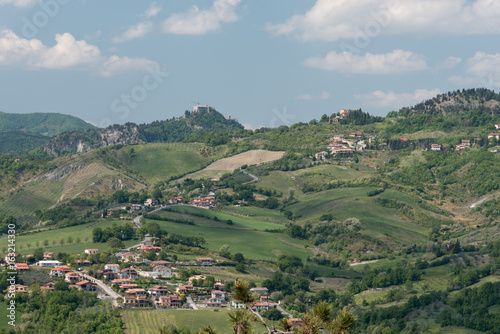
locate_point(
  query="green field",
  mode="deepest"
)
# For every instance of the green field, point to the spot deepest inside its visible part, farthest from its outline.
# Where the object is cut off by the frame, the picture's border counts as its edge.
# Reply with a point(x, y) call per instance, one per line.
point(345, 203)
point(84, 232)
point(243, 236)
point(157, 162)
point(149, 321)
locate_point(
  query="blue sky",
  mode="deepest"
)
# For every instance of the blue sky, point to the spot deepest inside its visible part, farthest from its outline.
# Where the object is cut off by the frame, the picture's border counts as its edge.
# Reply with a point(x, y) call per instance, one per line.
point(264, 62)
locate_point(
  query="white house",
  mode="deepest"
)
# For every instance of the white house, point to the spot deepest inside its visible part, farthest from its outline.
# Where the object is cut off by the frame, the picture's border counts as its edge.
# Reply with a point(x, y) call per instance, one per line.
point(49, 263)
point(164, 271)
point(113, 267)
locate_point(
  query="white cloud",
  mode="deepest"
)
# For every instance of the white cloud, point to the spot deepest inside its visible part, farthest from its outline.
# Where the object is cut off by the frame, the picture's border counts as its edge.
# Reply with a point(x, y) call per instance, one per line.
point(137, 31)
point(115, 64)
point(482, 69)
point(394, 62)
point(322, 96)
point(393, 100)
point(66, 53)
point(19, 3)
point(333, 20)
point(153, 10)
point(200, 22)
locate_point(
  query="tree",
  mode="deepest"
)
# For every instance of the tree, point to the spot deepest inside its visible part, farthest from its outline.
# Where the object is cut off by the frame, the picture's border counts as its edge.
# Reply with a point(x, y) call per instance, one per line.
point(344, 323)
point(241, 321)
point(115, 243)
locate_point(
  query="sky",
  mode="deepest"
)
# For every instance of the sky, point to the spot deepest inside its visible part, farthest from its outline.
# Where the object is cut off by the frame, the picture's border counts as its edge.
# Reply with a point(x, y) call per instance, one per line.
point(263, 62)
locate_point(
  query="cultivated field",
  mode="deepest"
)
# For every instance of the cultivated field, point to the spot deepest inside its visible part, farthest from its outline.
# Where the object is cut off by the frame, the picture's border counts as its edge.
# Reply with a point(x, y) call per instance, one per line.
point(253, 157)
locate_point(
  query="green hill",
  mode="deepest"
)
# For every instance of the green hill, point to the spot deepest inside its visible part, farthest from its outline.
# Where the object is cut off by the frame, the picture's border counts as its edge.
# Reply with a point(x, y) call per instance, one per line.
point(20, 142)
point(46, 124)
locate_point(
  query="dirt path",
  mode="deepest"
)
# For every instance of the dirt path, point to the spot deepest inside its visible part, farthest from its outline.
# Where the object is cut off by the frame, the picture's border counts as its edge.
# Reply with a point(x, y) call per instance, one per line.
point(477, 203)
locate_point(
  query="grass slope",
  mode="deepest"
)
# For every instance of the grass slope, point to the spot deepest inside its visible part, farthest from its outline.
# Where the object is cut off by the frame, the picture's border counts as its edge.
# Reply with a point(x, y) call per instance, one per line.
point(158, 162)
point(150, 321)
point(84, 232)
point(245, 236)
point(345, 203)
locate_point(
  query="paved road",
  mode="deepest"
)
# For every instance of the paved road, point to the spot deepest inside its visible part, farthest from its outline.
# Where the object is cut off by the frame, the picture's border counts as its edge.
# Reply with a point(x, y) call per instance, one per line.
point(191, 303)
point(254, 178)
point(103, 287)
point(283, 311)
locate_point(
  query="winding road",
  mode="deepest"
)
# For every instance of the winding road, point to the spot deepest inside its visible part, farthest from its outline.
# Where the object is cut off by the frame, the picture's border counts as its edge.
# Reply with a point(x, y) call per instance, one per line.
point(254, 178)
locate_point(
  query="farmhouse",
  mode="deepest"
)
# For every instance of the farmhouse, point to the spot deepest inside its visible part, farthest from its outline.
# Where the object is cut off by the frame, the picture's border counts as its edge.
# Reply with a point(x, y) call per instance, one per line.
point(48, 287)
point(19, 288)
point(129, 257)
point(466, 142)
point(213, 302)
point(356, 134)
point(149, 248)
point(497, 126)
point(91, 251)
point(203, 202)
point(48, 255)
point(136, 301)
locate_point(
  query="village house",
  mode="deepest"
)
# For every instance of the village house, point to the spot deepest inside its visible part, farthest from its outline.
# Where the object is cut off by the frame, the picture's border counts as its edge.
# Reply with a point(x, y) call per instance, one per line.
point(343, 152)
point(321, 155)
point(171, 301)
point(184, 289)
point(149, 248)
point(196, 277)
point(237, 304)
point(91, 251)
point(126, 286)
point(136, 207)
point(460, 148)
point(333, 119)
point(219, 294)
point(47, 287)
point(466, 142)
point(158, 291)
point(356, 134)
point(494, 135)
point(73, 277)
point(264, 304)
point(63, 270)
point(213, 302)
point(120, 280)
point(204, 260)
point(129, 257)
point(164, 271)
point(176, 200)
point(203, 202)
point(49, 263)
point(22, 267)
point(497, 126)
point(150, 202)
point(113, 267)
point(136, 301)
point(128, 273)
point(218, 286)
point(48, 255)
point(83, 263)
point(108, 274)
point(136, 292)
point(87, 286)
point(435, 147)
point(19, 288)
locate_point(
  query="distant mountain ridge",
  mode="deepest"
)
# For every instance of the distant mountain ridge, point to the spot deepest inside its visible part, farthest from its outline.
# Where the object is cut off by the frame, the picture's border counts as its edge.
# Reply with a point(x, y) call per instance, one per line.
point(45, 124)
point(176, 129)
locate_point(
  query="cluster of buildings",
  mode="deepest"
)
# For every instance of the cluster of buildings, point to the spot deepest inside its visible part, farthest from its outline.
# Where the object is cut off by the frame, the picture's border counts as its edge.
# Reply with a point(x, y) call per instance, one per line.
point(340, 147)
